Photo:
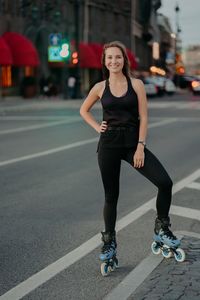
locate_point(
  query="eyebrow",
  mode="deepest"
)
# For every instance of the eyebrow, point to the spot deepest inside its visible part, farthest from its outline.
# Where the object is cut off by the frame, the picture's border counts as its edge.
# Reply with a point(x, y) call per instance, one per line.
point(114, 55)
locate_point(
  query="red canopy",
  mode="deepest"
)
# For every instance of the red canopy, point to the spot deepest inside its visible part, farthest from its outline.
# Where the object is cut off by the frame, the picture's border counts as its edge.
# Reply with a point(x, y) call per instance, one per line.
point(98, 50)
point(88, 58)
point(132, 59)
point(23, 51)
point(5, 54)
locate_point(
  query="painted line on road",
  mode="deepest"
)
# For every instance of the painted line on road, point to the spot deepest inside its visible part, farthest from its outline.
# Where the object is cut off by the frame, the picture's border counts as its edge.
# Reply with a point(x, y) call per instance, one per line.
point(64, 262)
point(34, 118)
point(70, 146)
point(136, 277)
point(33, 127)
point(194, 185)
point(185, 212)
point(163, 122)
point(48, 152)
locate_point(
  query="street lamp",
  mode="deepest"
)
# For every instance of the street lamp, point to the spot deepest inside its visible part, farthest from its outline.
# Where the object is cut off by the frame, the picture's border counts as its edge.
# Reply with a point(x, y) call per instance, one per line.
point(77, 41)
point(177, 41)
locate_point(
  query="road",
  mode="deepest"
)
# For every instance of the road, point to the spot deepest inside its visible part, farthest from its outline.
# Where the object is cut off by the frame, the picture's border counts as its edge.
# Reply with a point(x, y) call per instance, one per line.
point(52, 197)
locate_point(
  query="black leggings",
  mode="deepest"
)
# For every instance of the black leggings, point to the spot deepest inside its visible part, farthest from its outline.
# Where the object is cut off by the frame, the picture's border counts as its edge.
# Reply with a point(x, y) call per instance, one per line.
point(109, 160)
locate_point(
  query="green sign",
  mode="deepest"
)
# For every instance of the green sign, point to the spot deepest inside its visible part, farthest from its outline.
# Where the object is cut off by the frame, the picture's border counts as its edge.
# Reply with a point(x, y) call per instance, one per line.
point(54, 54)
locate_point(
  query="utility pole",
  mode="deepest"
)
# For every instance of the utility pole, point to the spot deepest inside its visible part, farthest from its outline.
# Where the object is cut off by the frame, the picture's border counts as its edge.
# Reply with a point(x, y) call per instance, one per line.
point(77, 41)
point(177, 41)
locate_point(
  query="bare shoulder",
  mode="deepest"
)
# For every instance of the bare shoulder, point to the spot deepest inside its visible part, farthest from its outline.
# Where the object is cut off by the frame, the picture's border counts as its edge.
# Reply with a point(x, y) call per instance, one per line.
point(137, 84)
point(99, 88)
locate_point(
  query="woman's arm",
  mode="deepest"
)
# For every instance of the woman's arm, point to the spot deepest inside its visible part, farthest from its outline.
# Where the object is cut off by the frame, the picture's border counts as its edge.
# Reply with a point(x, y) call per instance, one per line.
point(142, 107)
point(91, 99)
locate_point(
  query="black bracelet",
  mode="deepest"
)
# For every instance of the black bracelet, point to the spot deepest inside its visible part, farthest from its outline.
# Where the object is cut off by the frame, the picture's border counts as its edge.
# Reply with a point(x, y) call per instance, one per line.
point(142, 142)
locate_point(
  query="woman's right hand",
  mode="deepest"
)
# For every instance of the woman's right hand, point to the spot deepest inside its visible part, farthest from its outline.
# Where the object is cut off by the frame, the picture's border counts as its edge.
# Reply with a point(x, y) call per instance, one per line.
point(103, 126)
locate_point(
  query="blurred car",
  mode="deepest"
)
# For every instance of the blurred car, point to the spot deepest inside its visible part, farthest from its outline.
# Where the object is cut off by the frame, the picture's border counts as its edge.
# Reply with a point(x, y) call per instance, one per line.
point(159, 82)
point(150, 88)
point(185, 81)
point(170, 87)
point(195, 86)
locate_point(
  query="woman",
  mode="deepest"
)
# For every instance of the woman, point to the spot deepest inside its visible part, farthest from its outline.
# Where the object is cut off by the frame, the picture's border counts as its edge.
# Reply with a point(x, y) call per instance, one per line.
point(123, 134)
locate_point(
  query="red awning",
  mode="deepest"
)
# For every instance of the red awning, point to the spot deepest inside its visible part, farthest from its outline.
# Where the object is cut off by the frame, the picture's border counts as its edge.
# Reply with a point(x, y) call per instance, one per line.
point(5, 53)
point(23, 51)
point(87, 55)
point(131, 56)
point(98, 50)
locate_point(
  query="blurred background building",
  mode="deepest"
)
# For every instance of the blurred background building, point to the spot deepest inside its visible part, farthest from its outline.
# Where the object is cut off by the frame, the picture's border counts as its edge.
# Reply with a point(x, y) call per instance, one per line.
point(191, 58)
point(43, 43)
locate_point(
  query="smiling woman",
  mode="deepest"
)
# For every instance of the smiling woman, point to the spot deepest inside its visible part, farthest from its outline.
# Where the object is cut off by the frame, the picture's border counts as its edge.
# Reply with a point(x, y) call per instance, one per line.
point(122, 137)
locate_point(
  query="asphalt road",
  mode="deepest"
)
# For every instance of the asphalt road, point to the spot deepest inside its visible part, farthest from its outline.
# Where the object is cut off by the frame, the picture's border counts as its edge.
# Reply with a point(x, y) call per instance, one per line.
point(52, 197)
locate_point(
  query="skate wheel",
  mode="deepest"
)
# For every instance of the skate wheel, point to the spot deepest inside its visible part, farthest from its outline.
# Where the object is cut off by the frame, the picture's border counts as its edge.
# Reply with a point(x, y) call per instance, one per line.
point(155, 248)
point(104, 269)
point(166, 252)
point(111, 268)
point(179, 255)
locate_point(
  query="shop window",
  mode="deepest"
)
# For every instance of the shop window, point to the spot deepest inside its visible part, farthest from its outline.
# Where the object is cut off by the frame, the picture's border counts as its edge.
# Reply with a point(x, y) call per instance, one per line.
point(6, 76)
point(29, 71)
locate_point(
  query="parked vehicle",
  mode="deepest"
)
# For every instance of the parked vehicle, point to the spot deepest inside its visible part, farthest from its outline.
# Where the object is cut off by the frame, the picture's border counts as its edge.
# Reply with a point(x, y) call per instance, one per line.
point(150, 88)
point(170, 87)
point(159, 82)
point(195, 86)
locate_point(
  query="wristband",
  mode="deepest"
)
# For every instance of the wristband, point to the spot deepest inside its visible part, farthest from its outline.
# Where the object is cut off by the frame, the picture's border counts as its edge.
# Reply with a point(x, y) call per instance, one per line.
point(142, 142)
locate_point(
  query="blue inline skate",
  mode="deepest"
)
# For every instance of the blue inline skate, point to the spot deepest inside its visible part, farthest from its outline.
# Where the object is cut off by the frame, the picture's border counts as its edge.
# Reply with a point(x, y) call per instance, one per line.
point(165, 241)
point(108, 253)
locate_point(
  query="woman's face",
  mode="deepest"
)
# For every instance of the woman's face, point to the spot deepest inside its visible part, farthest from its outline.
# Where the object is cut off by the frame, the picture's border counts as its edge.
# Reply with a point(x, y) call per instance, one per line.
point(114, 60)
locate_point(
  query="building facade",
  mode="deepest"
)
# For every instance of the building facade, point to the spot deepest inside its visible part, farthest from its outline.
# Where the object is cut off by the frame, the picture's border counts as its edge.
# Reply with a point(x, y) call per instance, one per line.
point(133, 22)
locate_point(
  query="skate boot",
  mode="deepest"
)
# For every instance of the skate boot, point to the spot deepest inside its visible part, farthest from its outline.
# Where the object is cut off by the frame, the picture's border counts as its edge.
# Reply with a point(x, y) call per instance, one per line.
point(108, 253)
point(165, 241)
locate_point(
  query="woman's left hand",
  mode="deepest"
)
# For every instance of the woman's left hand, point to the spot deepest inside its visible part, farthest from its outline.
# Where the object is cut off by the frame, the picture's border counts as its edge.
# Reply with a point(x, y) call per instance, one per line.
point(138, 158)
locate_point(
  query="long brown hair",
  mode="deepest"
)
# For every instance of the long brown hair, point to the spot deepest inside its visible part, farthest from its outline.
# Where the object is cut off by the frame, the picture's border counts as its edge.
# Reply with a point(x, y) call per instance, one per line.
point(126, 67)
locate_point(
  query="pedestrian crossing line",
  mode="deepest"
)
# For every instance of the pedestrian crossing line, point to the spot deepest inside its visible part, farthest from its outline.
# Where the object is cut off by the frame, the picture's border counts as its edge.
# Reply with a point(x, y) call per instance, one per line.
point(185, 212)
point(194, 185)
point(135, 278)
point(75, 255)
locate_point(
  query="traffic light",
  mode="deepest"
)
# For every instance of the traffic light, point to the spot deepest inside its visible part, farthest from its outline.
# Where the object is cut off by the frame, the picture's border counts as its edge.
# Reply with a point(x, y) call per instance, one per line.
point(65, 50)
point(74, 57)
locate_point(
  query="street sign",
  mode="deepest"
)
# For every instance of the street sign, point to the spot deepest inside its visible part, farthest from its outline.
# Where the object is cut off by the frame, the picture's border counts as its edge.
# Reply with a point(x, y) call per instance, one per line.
point(54, 54)
point(55, 39)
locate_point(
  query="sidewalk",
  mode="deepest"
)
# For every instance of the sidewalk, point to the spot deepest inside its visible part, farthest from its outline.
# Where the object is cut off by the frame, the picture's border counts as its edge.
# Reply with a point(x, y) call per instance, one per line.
point(158, 278)
point(172, 280)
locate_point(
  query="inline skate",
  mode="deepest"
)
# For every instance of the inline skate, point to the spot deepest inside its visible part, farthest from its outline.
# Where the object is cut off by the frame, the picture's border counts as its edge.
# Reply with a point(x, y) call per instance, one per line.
point(165, 241)
point(108, 253)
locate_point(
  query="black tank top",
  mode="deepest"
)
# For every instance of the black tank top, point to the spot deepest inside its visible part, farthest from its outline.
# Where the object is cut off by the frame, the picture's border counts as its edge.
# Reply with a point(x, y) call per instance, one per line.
point(120, 111)
point(122, 117)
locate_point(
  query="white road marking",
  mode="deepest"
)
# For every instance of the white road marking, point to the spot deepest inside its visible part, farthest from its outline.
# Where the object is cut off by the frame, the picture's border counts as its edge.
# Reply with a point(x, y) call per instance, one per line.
point(33, 127)
point(33, 118)
point(48, 152)
point(163, 122)
point(64, 262)
point(134, 279)
point(70, 146)
point(177, 105)
point(185, 212)
point(194, 185)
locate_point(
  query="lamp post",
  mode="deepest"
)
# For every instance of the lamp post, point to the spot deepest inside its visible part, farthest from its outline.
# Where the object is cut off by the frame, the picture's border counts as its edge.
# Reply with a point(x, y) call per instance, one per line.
point(177, 41)
point(77, 41)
